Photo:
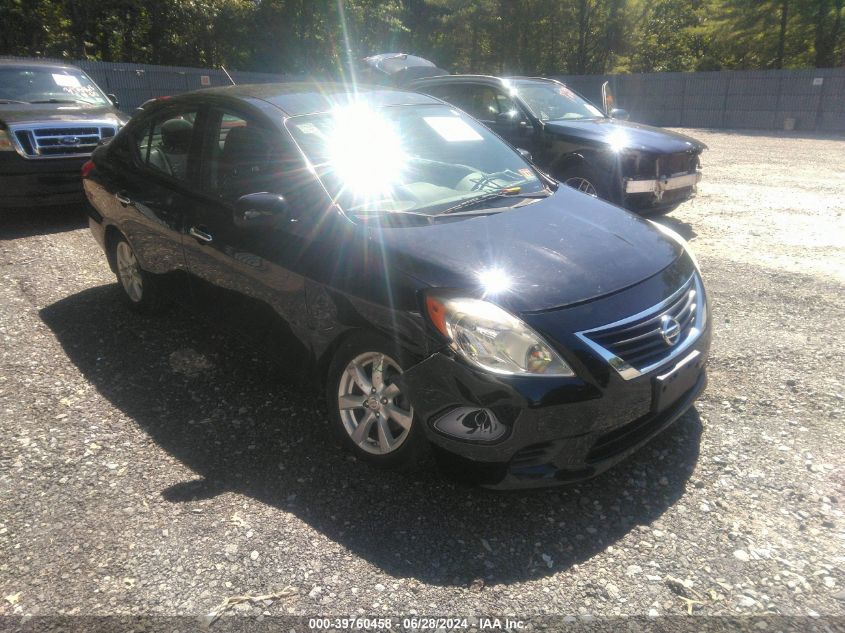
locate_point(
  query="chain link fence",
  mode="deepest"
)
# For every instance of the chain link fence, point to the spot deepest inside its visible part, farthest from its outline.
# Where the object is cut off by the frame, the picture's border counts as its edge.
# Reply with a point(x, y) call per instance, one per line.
point(810, 100)
point(133, 84)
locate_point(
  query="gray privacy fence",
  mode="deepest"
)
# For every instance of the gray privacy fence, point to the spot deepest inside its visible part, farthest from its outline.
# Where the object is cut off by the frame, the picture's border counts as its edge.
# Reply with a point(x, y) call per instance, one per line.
point(811, 99)
point(133, 84)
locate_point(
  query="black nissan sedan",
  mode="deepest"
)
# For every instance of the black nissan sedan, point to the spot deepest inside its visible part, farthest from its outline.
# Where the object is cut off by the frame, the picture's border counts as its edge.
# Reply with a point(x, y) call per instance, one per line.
point(446, 294)
point(642, 168)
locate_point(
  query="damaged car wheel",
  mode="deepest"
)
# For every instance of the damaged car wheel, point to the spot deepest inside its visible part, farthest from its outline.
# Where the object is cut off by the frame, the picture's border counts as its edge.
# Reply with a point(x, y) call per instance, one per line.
point(370, 413)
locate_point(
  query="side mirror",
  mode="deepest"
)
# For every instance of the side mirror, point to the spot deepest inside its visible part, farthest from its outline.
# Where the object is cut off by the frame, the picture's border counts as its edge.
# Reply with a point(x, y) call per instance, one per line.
point(525, 154)
point(113, 99)
point(619, 113)
point(260, 211)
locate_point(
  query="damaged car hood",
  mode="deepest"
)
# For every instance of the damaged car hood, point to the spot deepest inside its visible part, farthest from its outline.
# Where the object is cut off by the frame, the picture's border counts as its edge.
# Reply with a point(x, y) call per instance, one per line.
point(634, 136)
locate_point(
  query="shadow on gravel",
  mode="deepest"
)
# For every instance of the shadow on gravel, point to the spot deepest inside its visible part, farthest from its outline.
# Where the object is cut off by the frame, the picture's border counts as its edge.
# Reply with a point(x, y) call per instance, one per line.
point(15, 223)
point(684, 229)
point(241, 428)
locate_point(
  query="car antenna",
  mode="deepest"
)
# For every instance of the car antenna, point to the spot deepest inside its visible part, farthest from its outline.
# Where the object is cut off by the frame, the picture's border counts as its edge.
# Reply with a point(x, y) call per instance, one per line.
point(228, 75)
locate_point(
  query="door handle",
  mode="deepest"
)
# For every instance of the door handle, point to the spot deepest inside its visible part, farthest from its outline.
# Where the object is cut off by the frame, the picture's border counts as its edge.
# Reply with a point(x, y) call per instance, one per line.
point(123, 199)
point(200, 236)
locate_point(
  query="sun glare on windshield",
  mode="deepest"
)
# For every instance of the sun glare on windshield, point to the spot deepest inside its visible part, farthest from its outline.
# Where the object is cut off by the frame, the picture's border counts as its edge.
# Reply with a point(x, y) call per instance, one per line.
point(365, 151)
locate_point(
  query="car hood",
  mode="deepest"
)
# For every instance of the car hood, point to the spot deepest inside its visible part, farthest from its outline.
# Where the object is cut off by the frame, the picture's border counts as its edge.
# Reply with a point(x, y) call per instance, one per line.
point(12, 113)
point(636, 136)
point(564, 249)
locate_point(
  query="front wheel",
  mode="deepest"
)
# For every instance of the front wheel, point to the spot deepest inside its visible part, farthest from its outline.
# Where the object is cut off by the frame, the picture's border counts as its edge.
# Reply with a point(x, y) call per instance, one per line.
point(583, 180)
point(370, 414)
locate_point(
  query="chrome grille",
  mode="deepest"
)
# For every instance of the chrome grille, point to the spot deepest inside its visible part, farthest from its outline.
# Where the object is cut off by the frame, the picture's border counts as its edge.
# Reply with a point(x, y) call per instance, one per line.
point(640, 343)
point(60, 140)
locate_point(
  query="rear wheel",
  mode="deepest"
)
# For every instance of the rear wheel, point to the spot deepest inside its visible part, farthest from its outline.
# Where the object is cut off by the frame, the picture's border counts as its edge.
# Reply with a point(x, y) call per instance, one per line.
point(141, 290)
point(371, 415)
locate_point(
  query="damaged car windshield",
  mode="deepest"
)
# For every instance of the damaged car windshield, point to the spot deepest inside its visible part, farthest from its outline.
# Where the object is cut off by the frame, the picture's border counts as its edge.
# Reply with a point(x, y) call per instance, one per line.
point(409, 159)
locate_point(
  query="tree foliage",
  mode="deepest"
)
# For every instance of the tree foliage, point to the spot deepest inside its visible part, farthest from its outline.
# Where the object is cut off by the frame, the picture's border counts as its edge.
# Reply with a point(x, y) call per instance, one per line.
point(496, 36)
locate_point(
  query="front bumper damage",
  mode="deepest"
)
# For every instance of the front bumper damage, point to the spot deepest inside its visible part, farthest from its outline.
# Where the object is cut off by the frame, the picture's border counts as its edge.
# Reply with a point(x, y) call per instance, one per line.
point(660, 186)
point(541, 431)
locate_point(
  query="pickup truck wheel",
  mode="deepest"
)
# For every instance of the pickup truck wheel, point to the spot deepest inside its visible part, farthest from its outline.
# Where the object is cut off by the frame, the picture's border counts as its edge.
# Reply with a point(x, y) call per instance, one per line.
point(369, 412)
point(141, 290)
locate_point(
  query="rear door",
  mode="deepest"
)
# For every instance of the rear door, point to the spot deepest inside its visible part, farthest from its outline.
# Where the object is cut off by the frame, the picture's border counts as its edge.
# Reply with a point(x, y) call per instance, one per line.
point(157, 180)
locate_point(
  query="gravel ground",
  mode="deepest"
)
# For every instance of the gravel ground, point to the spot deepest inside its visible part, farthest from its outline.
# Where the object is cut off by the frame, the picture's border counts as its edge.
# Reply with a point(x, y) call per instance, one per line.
point(157, 466)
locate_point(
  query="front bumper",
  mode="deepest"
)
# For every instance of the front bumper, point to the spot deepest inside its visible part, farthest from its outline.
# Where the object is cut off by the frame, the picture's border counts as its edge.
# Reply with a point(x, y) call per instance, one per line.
point(558, 430)
point(661, 185)
point(38, 183)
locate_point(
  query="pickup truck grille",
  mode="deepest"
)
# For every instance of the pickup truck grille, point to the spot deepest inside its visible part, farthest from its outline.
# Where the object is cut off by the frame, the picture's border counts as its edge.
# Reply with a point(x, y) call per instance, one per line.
point(60, 140)
point(639, 344)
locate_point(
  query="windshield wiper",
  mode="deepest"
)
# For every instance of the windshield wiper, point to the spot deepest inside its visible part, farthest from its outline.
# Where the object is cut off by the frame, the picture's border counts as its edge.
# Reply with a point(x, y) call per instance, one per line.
point(12, 101)
point(487, 197)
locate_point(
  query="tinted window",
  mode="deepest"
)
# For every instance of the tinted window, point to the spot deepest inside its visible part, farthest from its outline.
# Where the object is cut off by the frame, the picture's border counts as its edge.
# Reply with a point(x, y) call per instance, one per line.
point(164, 144)
point(246, 156)
point(484, 102)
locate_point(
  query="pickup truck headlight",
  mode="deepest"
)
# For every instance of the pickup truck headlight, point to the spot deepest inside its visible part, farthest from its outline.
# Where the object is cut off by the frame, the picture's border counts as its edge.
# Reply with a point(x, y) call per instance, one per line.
point(493, 339)
point(6, 144)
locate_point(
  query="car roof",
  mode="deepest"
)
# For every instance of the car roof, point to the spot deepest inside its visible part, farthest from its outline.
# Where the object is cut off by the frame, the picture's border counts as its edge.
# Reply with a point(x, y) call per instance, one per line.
point(298, 98)
point(35, 63)
point(491, 79)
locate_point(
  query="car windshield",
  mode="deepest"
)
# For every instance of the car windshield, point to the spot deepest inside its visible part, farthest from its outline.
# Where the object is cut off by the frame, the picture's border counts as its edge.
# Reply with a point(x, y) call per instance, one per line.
point(48, 85)
point(419, 159)
point(550, 101)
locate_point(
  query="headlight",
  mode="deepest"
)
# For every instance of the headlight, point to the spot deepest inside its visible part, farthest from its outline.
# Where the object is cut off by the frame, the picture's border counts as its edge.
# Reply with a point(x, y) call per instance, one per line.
point(494, 340)
point(675, 237)
point(6, 144)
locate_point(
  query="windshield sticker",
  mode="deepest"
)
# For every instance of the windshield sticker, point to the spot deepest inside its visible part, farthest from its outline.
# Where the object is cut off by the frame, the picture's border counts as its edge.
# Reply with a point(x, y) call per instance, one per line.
point(526, 173)
point(452, 129)
point(308, 128)
point(66, 81)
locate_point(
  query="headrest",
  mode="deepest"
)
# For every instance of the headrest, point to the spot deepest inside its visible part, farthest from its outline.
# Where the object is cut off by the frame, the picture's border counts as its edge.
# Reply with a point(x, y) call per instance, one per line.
point(176, 135)
point(245, 141)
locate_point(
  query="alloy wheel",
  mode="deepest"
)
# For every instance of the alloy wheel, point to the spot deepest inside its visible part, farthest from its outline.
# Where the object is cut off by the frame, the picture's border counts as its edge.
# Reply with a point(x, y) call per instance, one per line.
point(129, 272)
point(373, 410)
point(583, 185)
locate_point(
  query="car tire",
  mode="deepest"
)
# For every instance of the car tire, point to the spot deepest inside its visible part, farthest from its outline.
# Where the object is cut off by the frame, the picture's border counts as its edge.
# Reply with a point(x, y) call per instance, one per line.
point(583, 180)
point(140, 290)
point(368, 412)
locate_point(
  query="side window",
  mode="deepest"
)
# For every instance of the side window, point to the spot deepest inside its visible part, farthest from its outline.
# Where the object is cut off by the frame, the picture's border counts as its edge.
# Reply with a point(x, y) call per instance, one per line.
point(244, 156)
point(482, 103)
point(164, 145)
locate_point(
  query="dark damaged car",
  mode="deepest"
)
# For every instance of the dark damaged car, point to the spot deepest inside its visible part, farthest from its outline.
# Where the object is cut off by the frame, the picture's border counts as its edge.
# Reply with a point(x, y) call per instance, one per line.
point(446, 294)
point(52, 116)
point(640, 167)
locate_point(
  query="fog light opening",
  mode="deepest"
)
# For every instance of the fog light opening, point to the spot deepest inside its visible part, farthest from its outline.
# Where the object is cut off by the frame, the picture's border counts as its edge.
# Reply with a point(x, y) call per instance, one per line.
point(471, 423)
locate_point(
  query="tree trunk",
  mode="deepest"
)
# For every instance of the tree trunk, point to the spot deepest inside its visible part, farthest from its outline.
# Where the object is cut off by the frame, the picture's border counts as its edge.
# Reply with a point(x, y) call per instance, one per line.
point(784, 16)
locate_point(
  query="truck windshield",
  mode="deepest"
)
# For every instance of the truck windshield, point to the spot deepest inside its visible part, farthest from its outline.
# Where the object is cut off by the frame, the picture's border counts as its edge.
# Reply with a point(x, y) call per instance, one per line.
point(38, 84)
point(409, 159)
point(550, 101)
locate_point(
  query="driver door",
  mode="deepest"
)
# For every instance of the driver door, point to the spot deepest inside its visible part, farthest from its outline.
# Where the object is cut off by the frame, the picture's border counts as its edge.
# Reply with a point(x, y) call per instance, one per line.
point(238, 274)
